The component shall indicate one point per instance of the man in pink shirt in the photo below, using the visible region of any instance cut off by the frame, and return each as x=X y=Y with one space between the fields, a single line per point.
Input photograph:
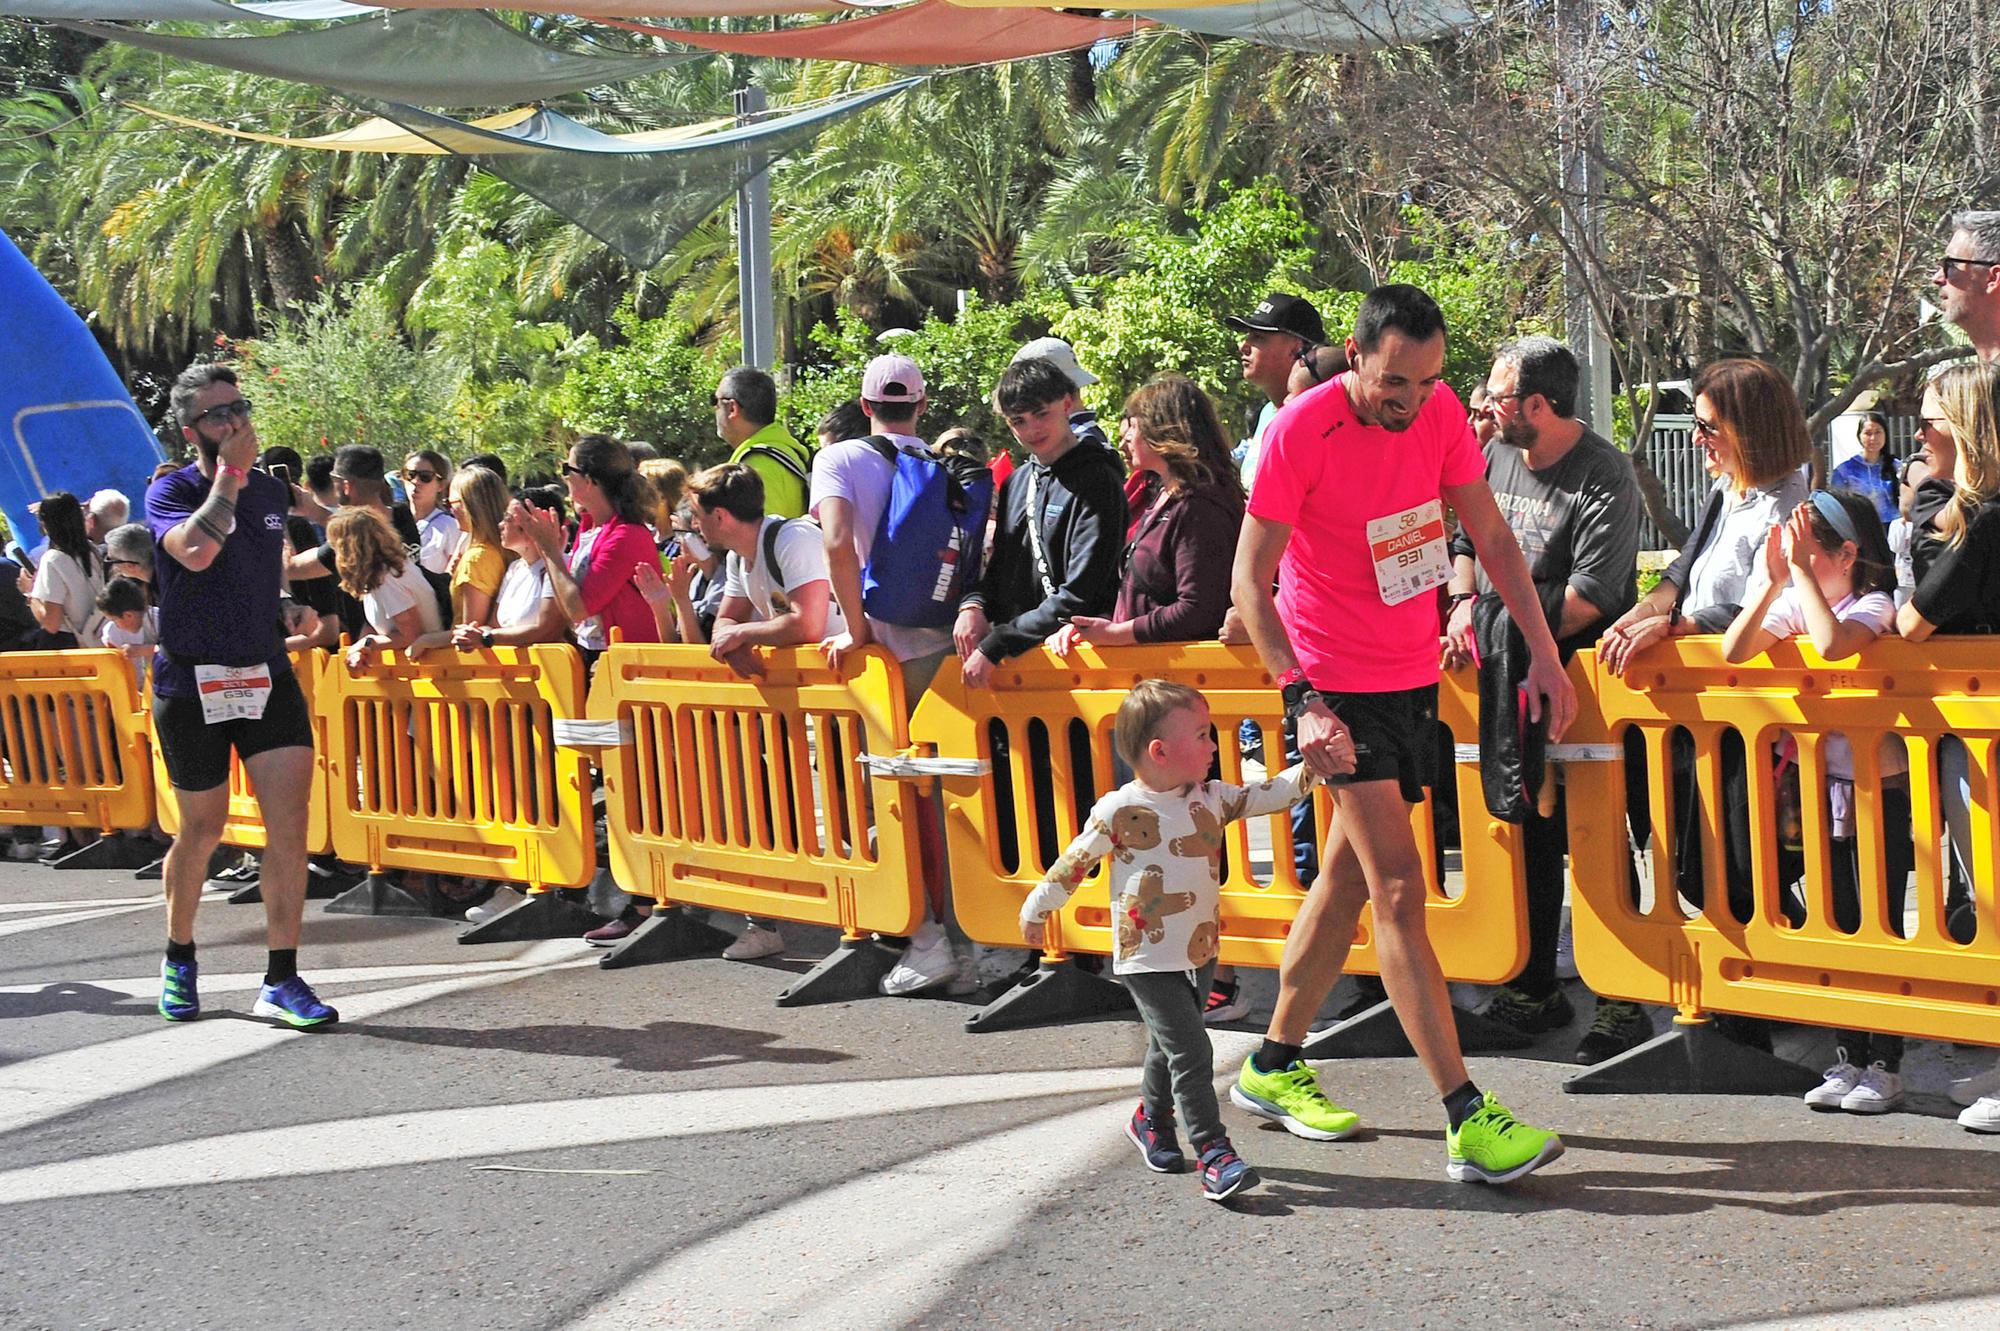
x=1347 y=517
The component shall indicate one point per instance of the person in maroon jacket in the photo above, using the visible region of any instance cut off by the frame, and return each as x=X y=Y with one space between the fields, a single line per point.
x=1175 y=586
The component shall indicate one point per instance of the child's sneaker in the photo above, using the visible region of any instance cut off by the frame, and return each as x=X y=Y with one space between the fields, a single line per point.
x=1156 y=1141
x=1841 y=1078
x=1492 y=1146
x=1223 y=1172
x=1876 y=1092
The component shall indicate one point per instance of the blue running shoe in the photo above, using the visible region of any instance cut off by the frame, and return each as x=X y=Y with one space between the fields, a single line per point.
x=293 y=1003
x=179 y=1000
x=1223 y=1172
x=1156 y=1141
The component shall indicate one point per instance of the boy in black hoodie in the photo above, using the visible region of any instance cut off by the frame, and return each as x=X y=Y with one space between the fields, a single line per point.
x=1041 y=577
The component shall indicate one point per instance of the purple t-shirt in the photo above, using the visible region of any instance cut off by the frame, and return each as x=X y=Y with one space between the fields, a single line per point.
x=226 y=614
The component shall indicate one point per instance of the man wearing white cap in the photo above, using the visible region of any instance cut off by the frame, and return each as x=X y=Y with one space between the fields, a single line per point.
x=851 y=481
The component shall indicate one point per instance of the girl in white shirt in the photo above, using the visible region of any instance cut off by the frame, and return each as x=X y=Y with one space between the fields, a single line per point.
x=375 y=570
x=64 y=595
x=1828 y=574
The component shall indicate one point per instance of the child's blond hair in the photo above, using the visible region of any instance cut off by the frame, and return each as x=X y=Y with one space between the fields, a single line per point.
x=1145 y=710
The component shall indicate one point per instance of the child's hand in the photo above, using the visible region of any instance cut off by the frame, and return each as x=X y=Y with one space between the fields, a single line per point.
x=1034 y=933
x=1799 y=542
x=1775 y=571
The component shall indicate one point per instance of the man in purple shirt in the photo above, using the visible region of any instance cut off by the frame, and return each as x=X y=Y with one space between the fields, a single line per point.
x=222 y=681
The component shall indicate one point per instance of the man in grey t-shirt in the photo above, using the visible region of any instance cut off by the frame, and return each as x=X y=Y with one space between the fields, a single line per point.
x=1573 y=504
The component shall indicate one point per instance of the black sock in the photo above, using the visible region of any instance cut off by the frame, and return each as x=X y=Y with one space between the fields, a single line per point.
x=284 y=964
x=1271 y=1056
x=1458 y=1106
x=180 y=953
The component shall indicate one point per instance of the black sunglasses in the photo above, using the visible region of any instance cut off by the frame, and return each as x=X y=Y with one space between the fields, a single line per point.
x=1952 y=261
x=568 y=470
x=239 y=410
x=420 y=476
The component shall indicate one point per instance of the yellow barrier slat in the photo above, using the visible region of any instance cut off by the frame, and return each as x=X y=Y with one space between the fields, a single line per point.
x=75 y=741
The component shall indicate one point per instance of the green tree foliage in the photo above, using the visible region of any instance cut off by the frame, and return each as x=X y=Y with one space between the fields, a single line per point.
x=658 y=384
x=344 y=374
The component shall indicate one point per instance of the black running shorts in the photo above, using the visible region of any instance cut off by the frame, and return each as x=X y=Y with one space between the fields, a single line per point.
x=197 y=753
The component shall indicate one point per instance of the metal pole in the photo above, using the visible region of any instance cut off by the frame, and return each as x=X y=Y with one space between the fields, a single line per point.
x=1583 y=223
x=756 y=301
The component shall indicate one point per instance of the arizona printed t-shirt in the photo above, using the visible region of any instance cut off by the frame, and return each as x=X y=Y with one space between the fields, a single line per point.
x=1329 y=477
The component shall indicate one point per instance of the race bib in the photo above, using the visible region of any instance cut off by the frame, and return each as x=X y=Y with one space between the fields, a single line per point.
x=233 y=693
x=1408 y=550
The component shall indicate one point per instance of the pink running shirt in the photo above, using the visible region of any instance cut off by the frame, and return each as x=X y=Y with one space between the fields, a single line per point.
x=1327 y=476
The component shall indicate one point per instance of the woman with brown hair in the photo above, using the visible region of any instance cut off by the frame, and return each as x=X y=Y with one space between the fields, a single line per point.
x=1179 y=555
x=1753 y=434
x=375 y=569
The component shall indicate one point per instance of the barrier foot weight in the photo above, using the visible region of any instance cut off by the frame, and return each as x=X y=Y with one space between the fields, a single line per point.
x=377 y=895
x=668 y=934
x=556 y=913
x=1378 y=1033
x=1693 y=1060
x=1053 y=993
x=116 y=851
x=852 y=970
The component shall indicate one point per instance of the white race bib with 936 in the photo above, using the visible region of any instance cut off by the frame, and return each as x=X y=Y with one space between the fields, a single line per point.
x=233 y=693
x=1408 y=551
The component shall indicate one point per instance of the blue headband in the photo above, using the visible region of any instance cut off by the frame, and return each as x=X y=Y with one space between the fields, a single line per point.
x=1836 y=515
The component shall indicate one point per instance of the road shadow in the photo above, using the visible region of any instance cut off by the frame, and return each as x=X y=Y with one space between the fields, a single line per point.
x=66 y=996
x=1778 y=1178
x=660 y=1046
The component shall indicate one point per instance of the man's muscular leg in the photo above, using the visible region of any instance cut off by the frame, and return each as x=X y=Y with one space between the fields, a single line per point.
x=185 y=872
x=282 y=779
x=1316 y=949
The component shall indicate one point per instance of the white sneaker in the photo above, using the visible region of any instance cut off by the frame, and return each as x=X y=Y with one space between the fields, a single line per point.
x=926 y=963
x=503 y=900
x=1841 y=1079
x=1967 y=1090
x=1877 y=1092
x=1566 y=952
x=754 y=944
x=1982 y=1115
x=25 y=850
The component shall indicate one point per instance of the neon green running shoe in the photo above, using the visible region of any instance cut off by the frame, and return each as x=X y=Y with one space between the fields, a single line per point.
x=1492 y=1146
x=1291 y=1098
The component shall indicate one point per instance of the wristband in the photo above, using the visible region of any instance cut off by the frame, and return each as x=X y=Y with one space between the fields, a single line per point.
x=1296 y=675
x=486 y=639
x=225 y=469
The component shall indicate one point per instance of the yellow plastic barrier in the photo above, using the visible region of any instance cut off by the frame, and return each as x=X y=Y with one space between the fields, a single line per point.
x=74 y=741
x=1701 y=962
x=751 y=795
x=1038 y=699
x=449 y=764
x=244 y=825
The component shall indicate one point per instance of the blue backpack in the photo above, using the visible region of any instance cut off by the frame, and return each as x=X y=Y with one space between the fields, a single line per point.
x=931 y=540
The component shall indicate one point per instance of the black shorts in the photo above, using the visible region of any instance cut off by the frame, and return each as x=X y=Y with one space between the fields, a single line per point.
x=197 y=753
x=1395 y=737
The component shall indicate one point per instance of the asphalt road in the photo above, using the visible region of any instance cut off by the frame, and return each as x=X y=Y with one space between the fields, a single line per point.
x=506 y=1136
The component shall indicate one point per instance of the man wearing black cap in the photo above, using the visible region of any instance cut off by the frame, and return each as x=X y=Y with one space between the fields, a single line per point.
x=1275 y=334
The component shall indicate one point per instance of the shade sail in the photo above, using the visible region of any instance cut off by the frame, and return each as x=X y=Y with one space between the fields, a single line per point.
x=1320 y=25
x=376 y=135
x=442 y=58
x=638 y=199
x=930 y=32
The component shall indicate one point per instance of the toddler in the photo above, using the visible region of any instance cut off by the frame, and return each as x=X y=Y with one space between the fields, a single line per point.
x=1163 y=832
x=130 y=623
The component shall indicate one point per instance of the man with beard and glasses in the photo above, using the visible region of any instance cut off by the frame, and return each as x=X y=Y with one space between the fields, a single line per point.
x=1347 y=519
x=222 y=682
x=1572 y=503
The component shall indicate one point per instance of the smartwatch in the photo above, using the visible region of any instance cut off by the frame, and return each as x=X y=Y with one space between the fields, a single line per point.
x=486 y=638
x=1300 y=695
x=1456 y=597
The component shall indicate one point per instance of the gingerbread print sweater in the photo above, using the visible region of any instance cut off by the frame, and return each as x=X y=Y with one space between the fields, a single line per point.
x=1166 y=862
